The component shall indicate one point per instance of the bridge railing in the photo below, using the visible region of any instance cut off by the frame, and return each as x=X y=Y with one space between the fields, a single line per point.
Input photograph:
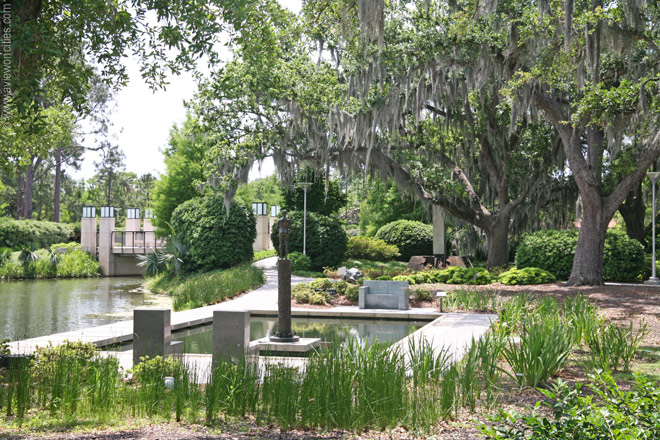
x=136 y=242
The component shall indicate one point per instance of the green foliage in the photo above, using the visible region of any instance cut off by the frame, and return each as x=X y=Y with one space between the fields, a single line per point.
x=613 y=346
x=527 y=275
x=312 y=293
x=473 y=300
x=66 y=246
x=410 y=237
x=318 y=199
x=212 y=287
x=261 y=190
x=385 y=203
x=262 y=255
x=584 y=318
x=18 y=234
x=451 y=275
x=543 y=350
x=352 y=292
x=623 y=257
x=321 y=283
x=73 y=264
x=326 y=240
x=300 y=262
x=423 y=295
x=572 y=413
x=214 y=240
x=183 y=167
x=370 y=248
x=77 y=264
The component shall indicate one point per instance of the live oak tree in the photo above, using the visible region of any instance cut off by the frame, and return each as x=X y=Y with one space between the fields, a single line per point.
x=593 y=68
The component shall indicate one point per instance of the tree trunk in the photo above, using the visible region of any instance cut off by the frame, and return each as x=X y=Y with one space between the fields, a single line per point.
x=56 y=192
x=633 y=211
x=588 y=261
x=28 y=192
x=498 y=241
x=19 y=196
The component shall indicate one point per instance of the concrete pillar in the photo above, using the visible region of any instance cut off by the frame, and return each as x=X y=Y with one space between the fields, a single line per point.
x=88 y=234
x=438 y=230
x=106 y=257
x=152 y=333
x=262 y=240
x=148 y=226
x=231 y=335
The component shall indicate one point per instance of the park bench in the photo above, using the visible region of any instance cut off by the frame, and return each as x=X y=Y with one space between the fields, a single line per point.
x=376 y=294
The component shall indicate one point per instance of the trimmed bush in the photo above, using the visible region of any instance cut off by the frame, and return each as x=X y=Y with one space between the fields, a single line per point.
x=623 y=258
x=370 y=248
x=300 y=262
x=214 y=240
x=18 y=234
x=527 y=275
x=326 y=240
x=451 y=275
x=410 y=237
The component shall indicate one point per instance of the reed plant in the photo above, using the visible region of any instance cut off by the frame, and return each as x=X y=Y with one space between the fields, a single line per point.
x=544 y=347
x=18 y=397
x=613 y=346
x=212 y=287
x=584 y=317
x=474 y=300
x=511 y=313
x=426 y=364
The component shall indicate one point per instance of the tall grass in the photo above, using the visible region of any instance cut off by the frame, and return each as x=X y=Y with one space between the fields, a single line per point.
x=613 y=346
x=584 y=318
x=212 y=287
x=474 y=300
x=543 y=349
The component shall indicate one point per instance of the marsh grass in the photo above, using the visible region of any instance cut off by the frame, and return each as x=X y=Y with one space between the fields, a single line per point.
x=474 y=300
x=584 y=318
x=544 y=347
x=613 y=346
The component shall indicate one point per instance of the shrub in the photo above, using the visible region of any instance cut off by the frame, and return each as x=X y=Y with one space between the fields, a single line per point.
x=410 y=237
x=341 y=287
x=370 y=248
x=321 y=283
x=318 y=298
x=18 y=234
x=214 y=239
x=66 y=246
x=77 y=264
x=423 y=295
x=300 y=262
x=326 y=240
x=527 y=275
x=352 y=292
x=573 y=414
x=623 y=258
x=301 y=292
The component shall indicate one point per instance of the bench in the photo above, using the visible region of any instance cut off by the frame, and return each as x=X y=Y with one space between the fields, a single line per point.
x=375 y=294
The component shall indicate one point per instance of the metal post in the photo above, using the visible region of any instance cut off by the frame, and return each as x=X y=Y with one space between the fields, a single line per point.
x=305 y=222
x=654 y=279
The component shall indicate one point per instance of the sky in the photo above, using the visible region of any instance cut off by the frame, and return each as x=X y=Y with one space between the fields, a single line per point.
x=142 y=120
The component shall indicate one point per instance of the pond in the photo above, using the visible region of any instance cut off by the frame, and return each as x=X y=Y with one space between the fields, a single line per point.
x=34 y=308
x=200 y=339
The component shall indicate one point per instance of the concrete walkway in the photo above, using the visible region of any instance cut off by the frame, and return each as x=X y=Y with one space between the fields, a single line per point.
x=453 y=329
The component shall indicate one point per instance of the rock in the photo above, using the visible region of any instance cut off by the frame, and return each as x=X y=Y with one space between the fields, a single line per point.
x=341 y=272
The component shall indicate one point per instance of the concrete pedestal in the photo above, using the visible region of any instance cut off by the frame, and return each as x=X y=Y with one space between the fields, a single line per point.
x=152 y=333
x=88 y=234
x=231 y=335
x=284 y=333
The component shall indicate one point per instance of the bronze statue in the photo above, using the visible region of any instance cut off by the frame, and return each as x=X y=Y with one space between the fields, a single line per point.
x=283 y=229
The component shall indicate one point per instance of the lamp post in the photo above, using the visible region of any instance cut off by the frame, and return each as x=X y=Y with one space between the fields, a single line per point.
x=304 y=186
x=653 y=175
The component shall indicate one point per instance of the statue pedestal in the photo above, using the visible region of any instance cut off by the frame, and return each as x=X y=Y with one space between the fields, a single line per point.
x=284 y=333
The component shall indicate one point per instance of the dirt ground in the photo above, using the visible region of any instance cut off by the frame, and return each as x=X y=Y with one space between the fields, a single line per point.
x=618 y=303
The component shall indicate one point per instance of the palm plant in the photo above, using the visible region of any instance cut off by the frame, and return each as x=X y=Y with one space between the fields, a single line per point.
x=172 y=256
x=28 y=256
x=151 y=263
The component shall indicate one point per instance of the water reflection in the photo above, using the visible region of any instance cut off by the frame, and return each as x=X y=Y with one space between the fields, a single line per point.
x=41 y=307
x=200 y=339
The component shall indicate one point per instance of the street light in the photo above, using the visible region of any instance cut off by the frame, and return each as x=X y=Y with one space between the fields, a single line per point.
x=304 y=186
x=654 y=176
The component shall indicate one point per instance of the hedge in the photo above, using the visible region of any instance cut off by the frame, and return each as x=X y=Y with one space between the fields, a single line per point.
x=326 y=239
x=19 y=234
x=410 y=237
x=551 y=250
x=370 y=248
x=214 y=240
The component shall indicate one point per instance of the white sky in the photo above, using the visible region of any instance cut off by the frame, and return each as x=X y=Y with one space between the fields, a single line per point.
x=142 y=120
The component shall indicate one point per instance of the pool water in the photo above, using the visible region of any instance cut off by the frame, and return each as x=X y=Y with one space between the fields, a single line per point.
x=200 y=339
